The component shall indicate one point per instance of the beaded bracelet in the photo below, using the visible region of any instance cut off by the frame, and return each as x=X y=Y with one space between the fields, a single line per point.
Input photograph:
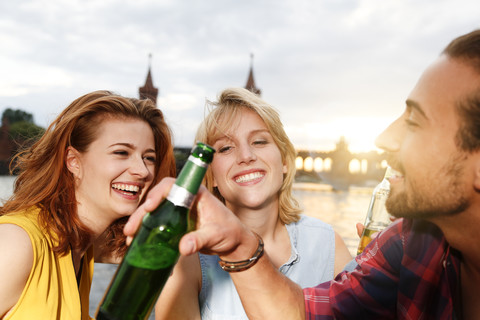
x=244 y=264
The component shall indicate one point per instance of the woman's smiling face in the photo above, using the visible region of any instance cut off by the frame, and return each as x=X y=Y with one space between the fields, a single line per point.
x=116 y=170
x=248 y=167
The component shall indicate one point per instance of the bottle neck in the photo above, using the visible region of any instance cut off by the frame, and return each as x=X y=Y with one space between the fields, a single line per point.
x=188 y=181
x=180 y=196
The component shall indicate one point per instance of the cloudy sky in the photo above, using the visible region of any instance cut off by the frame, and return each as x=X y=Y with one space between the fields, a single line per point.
x=331 y=67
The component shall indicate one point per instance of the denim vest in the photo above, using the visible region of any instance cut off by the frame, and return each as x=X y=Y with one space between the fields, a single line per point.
x=311 y=262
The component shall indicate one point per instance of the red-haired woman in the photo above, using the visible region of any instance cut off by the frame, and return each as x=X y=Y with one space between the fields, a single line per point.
x=76 y=187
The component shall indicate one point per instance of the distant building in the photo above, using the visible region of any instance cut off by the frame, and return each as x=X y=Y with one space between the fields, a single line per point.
x=8 y=147
x=148 y=91
x=251 y=81
x=5 y=147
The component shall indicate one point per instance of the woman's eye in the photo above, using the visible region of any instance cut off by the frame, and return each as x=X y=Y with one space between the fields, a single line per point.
x=151 y=159
x=224 y=149
x=260 y=142
x=121 y=152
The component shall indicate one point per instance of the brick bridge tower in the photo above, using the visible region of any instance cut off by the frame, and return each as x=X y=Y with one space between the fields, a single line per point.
x=148 y=91
x=251 y=81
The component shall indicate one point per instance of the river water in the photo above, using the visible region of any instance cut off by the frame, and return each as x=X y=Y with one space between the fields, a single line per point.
x=341 y=209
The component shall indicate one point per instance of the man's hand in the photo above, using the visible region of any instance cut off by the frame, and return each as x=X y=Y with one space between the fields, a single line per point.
x=154 y=197
x=218 y=230
x=262 y=288
x=360 y=228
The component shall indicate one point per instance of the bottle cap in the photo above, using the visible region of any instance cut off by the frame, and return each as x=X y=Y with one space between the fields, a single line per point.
x=203 y=151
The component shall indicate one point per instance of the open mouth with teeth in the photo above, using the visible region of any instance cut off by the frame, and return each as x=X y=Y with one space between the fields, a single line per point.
x=127 y=188
x=249 y=177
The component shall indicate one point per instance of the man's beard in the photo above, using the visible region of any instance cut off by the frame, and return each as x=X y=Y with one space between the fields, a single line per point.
x=442 y=199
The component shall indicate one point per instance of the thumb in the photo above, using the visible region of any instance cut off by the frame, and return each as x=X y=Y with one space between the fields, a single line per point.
x=360 y=227
x=197 y=240
x=188 y=244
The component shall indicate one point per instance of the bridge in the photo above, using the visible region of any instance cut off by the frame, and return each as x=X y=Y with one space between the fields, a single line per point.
x=340 y=168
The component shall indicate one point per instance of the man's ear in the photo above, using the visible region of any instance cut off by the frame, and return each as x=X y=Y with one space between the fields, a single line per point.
x=72 y=161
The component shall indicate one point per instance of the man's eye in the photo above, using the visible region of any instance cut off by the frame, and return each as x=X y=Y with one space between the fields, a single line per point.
x=411 y=123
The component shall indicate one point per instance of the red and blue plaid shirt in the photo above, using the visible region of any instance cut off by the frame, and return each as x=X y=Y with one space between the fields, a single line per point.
x=408 y=272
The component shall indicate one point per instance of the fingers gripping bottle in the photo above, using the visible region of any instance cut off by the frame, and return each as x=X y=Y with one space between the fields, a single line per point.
x=377 y=216
x=153 y=252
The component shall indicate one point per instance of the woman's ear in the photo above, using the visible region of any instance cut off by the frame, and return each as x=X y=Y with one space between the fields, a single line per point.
x=72 y=161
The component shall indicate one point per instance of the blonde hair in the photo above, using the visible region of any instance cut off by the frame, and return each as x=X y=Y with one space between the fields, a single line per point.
x=221 y=116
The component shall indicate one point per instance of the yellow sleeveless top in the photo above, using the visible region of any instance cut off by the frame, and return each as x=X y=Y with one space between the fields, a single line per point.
x=51 y=291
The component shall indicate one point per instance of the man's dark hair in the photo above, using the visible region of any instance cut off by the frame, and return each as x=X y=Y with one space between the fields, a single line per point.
x=466 y=49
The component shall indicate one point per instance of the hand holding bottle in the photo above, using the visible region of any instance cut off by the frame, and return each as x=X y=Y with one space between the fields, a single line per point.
x=360 y=227
x=218 y=230
x=154 y=250
x=377 y=216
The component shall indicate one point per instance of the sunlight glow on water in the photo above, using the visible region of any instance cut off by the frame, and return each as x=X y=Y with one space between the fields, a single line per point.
x=340 y=209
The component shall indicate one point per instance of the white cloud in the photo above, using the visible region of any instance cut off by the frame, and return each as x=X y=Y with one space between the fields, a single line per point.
x=315 y=61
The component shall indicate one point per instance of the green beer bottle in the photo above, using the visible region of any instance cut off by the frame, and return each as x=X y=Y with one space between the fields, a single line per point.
x=153 y=252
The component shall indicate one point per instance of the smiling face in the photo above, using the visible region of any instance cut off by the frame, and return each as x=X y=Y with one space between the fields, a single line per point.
x=248 y=168
x=112 y=175
x=435 y=176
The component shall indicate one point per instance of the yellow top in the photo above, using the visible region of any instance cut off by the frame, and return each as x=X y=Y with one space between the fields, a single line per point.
x=51 y=291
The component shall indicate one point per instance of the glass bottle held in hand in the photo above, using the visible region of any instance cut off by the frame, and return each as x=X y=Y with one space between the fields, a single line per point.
x=377 y=216
x=153 y=252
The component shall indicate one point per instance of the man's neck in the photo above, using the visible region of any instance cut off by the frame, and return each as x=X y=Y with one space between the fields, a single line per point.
x=470 y=282
x=461 y=232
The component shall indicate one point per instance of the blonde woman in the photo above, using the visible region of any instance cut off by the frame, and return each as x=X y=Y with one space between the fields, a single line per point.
x=252 y=173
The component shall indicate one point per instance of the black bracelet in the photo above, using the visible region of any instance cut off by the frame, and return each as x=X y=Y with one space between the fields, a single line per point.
x=244 y=264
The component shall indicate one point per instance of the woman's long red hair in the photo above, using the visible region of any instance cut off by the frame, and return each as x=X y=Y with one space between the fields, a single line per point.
x=44 y=180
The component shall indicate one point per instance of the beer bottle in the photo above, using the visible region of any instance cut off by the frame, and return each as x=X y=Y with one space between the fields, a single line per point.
x=153 y=252
x=377 y=216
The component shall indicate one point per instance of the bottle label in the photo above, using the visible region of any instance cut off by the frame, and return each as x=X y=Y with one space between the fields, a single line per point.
x=181 y=197
x=197 y=161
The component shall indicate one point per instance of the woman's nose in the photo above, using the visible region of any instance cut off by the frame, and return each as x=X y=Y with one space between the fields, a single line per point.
x=245 y=154
x=138 y=167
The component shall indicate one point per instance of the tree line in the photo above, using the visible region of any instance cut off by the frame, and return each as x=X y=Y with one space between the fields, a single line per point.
x=17 y=131
x=21 y=125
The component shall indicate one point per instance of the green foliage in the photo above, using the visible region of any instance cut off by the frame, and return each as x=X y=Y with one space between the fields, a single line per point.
x=17 y=116
x=181 y=156
x=21 y=126
x=24 y=130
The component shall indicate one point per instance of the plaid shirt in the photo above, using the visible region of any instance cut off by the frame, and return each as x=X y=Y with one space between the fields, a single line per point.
x=408 y=272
